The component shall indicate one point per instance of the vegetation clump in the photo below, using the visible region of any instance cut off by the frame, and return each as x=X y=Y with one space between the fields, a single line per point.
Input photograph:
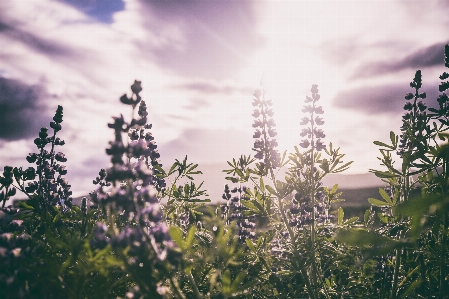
x=274 y=237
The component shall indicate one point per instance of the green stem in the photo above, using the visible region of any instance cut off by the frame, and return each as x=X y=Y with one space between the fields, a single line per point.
x=443 y=282
x=394 y=289
x=194 y=286
x=176 y=288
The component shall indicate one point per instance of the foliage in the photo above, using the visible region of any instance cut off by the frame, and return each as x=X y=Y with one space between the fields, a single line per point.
x=149 y=233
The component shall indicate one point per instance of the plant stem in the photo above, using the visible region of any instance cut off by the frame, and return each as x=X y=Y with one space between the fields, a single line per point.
x=443 y=282
x=394 y=289
x=194 y=286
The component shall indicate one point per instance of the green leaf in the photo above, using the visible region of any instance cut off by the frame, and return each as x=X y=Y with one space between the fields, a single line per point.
x=378 y=244
x=384 y=174
x=232 y=179
x=235 y=286
x=366 y=216
x=378 y=143
x=259 y=206
x=250 y=244
x=334 y=189
x=239 y=172
x=271 y=190
x=26 y=206
x=378 y=203
x=342 y=168
x=176 y=235
x=249 y=204
x=226 y=281
x=385 y=195
x=190 y=236
x=351 y=220
x=261 y=185
x=340 y=215
x=393 y=138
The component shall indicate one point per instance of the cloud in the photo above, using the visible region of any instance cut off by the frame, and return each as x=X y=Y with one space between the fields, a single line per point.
x=216 y=37
x=196 y=103
x=381 y=99
x=207 y=146
x=209 y=88
x=424 y=57
x=34 y=42
x=22 y=112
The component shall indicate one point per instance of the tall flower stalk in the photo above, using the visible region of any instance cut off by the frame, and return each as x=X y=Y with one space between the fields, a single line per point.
x=150 y=251
x=265 y=144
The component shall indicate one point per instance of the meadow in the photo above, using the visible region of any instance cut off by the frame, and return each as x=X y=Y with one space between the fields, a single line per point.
x=275 y=237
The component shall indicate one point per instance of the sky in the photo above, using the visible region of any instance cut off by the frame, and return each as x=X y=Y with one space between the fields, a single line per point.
x=200 y=62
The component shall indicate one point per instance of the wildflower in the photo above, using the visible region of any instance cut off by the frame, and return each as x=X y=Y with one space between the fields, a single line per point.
x=264 y=145
x=313 y=134
x=134 y=195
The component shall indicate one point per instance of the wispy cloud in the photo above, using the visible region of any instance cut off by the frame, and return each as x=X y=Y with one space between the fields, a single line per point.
x=207 y=146
x=218 y=36
x=381 y=99
x=425 y=57
x=207 y=87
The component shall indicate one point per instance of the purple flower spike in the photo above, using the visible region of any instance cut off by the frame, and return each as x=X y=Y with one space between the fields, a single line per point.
x=264 y=124
x=311 y=132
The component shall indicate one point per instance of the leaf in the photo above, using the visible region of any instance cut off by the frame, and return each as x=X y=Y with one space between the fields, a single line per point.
x=334 y=189
x=443 y=86
x=226 y=281
x=342 y=168
x=176 y=235
x=384 y=174
x=190 y=236
x=250 y=244
x=26 y=206
x=340 y=215
x=250 y=205
x=444 y=76
x=271 y=190
x=261 y=185
x=351 y=220
x=394 y=139
x=259 y=206
x=377 y=244
x=378 y=203
x=366 y=216
x=237 y=281
x=378 y=143
x=239 y=172
x=385 y=195
x=232 y=179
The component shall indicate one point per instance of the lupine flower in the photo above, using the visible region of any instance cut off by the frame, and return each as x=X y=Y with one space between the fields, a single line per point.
x=415 y=118
x=264 y=145
x=133 y=193
x=233 y=211
x=52 y=189
x=313 y=134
